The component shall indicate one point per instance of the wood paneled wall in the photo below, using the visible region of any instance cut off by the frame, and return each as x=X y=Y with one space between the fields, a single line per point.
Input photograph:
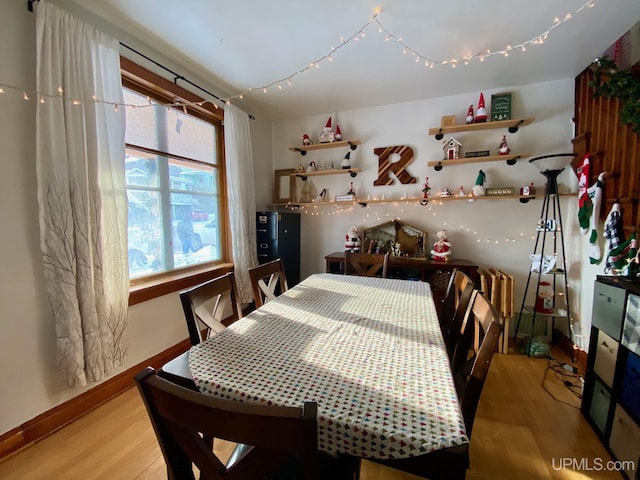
x=614 y=148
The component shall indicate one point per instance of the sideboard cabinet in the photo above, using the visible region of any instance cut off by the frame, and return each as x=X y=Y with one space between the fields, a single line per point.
x=413 y=268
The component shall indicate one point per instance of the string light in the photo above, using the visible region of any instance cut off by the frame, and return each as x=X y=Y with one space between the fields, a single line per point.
x=42 y=97
x=430 y=62
x=413 y=206
x=427 y=61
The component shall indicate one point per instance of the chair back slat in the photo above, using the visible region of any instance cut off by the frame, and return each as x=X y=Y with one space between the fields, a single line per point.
x=275 y=284
x=366 y=264
x=208 y=304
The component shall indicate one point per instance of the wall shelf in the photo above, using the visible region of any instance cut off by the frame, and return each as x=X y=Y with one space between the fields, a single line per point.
x=303 y=149
x=353 y=172
x=512 y=125
x=511 y=159
x=364 y=201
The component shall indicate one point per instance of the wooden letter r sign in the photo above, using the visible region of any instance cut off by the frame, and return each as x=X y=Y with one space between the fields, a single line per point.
x=386 y=166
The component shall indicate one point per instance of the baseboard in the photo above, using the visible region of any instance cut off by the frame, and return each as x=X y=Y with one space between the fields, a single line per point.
x=48 y=422
x=565 y=344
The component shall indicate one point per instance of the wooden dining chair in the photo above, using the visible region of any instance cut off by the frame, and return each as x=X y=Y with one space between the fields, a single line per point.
x=273 y=442
x=206 y=307
x=268 y=281
x=457 y=284
x=452 y=328
x=366 y=264
x=452 y=463
x=473 y=354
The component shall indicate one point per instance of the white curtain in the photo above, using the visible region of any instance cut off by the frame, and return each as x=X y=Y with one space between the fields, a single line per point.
x=81 y=192
x=242 y=197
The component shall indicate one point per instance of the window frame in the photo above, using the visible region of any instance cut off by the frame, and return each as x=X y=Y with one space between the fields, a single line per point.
x=146 y=82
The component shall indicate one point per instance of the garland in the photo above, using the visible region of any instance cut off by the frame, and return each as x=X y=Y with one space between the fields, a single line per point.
x=609 y=82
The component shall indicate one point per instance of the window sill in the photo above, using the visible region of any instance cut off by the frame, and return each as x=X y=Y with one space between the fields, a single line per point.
x=157 y=287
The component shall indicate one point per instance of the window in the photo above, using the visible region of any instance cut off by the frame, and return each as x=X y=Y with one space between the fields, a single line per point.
x=175 y=181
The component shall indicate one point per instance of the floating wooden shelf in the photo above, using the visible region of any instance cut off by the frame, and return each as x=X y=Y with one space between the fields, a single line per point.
x=512 y=125
x=469 y=198
x=510 y=159
x=351 y=171
x=303 y=149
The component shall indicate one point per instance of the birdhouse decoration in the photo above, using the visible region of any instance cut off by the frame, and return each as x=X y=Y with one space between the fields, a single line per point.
x=451 y=149
x=327 y=135
x=352 y=240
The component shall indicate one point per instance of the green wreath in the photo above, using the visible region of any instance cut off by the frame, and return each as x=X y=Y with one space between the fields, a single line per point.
x=609 y=82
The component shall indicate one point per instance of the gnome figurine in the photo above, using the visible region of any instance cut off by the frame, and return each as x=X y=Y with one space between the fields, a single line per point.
x=469 y=118
x=338 y=135
x=346 y=161
x=478 y=188
x=327 y=135
x=481 y=115
x=504 y=149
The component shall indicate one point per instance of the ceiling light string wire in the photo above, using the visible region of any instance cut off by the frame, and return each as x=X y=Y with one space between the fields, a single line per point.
x=428 y=61
x=315 y=63
x=176 y=77
x=480 y=56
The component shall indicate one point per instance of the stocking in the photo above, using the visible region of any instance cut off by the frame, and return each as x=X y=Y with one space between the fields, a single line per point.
x=615 y=234
x=585 y=207
x=595 y=195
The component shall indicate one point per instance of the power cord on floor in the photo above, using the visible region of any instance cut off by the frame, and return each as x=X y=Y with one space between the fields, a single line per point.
x=568 y=375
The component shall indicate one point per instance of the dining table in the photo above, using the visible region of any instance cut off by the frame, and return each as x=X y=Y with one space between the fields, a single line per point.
x=368 y=350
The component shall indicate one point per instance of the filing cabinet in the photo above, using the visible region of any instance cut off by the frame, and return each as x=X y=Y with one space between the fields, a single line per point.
x=611 y=397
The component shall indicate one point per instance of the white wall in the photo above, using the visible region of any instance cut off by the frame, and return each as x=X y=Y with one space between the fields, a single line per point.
x=478 y=230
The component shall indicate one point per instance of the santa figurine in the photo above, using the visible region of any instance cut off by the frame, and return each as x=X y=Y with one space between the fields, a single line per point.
x=327 y=135
x=469 y=118
x=504 y=149
x=481 y=115
x=352 y=240
x=338 y=135
x=306 y=140
x=442 y=248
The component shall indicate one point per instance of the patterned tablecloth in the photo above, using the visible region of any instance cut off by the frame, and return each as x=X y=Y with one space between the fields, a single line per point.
x=368 y=350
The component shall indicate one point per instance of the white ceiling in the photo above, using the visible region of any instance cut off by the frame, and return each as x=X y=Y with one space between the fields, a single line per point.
x=245 y=44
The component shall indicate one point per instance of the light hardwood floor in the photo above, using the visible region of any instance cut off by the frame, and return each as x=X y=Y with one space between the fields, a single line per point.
x=520 y=431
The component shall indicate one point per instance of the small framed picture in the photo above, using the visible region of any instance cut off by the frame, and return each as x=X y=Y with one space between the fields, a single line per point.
x=501 y=106
x=284 y=186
